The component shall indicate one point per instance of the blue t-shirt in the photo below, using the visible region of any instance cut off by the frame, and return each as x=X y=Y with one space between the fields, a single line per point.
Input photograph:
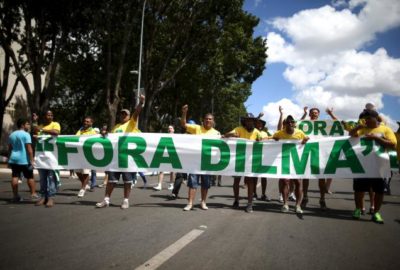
x=17 y=140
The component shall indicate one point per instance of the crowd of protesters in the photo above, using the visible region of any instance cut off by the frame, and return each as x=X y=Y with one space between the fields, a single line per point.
x=370 y=125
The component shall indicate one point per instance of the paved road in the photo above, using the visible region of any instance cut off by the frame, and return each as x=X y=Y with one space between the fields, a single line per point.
x=155 y=231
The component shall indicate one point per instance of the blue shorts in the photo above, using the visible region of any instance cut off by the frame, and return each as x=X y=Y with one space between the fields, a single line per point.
x=127 y=177
x=194 y=181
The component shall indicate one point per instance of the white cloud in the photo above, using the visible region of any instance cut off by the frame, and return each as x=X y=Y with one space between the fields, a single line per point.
x=326 y=64
x=271 y=112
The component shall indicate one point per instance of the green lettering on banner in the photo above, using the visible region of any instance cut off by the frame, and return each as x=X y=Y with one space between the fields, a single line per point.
x=206 y=151
x=257 y=166
x=88 y=151
x=350 y=162
x=124 y=152
x=45 y=144
x=306 y=126
x=369 y=145
x=337 y=128
x=172 y=158
x=289 y=152
x=240 y=159
x=393 y=159
x=319 y=128
x=63 y=150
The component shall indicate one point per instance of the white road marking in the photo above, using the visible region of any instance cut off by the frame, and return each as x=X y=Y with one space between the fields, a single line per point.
x=170 y=251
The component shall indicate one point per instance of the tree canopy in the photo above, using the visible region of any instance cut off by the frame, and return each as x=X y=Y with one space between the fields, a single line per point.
x=81 y=54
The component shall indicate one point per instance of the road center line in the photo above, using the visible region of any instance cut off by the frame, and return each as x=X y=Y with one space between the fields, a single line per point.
x=170 y=251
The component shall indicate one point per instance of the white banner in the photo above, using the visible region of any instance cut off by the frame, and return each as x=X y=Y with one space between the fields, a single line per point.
x=330 y=157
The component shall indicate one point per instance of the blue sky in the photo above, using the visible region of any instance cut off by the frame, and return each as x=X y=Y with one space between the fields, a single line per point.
x=338 y=54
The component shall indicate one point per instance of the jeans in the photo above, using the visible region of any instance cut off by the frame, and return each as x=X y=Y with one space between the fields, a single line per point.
x=178 y=182
x=93 y=178
x=143 y=177
x=194 y=181
x=48 y=183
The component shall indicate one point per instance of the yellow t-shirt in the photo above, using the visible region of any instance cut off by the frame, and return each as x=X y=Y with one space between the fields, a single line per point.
x=241 y=132
x=51 y=126
x=128 y=127
x=89 y=131
x=200 y=130
x=282 y=135
x=386 y=132
x=264 y=134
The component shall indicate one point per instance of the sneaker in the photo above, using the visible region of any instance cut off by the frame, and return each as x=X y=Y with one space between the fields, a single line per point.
x=102 y=185
x=188 y=207
x=280 y=198
x=16 y=199
x=87 y=187
x=363 y=211
x=292 y=197
x=371 y=210
x=249 y=208
x=299 y=210
x=304 y=202
x=235 y=204
x=377 y=218
x=357 y=213
x=173 y=196
x=125 y=204
x=285 y=208
x=265 y=198
x=35 y=197
x=203 y=206
x=255 y=197
x=170 y=186
x=322 y=204
x=19 y=181
x=81 y=193
x=102 y=204
x=158 y=187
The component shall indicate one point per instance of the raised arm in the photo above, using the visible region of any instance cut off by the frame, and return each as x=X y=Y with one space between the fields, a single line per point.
x=138 y=108
x=305 y=113
x=280 y=122
x=185 y=109
x=329 y=111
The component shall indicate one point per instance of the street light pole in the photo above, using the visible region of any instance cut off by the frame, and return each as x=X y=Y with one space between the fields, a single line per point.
x=140 y=55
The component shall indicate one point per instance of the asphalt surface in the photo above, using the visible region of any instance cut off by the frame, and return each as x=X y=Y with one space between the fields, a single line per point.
x=73 y=234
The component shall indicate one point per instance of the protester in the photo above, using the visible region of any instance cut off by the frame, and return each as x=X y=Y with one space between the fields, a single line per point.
x=83 y=174
x=384 y=136
x=49 y=179
x=171 y=130
x=194 y=179
x=289 y=132
x=292 y=197
x=248 y=131
x=314 y=116
x=21 y=159
x=260 y=125
x=127 y=124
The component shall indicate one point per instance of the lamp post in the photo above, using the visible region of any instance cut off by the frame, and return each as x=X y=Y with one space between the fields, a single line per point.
x=140 y=54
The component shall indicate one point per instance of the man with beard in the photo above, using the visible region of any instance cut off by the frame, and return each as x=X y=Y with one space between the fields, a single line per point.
x=194 y=179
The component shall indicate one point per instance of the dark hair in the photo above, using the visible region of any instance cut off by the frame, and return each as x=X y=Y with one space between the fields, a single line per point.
x=312 y=109
x=368 y=113
x=21 y=122
x=208 y=114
